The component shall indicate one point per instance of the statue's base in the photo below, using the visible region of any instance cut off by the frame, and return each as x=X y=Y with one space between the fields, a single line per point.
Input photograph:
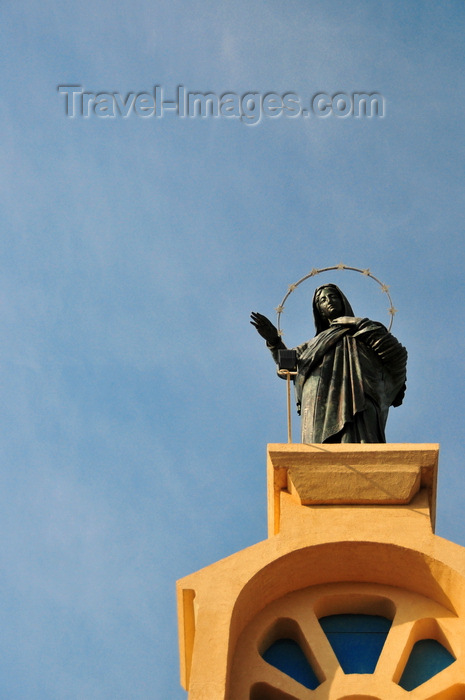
x=350 y=474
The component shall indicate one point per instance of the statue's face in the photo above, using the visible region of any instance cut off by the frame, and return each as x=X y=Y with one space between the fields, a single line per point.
x=330 y=303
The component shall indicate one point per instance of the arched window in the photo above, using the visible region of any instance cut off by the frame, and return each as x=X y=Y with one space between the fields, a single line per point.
x=347 y=641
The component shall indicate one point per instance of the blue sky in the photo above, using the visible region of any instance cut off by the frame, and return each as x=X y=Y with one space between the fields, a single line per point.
x=137 y=399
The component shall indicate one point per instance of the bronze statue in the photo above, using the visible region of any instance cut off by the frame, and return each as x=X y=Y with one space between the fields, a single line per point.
x=348 y=375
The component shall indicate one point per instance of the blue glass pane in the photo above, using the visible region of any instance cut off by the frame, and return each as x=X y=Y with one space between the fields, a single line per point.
x=427 y=658
x=288 y=657
x=357 y=640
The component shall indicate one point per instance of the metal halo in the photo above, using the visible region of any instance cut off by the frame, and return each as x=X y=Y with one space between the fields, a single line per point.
x=384 y=288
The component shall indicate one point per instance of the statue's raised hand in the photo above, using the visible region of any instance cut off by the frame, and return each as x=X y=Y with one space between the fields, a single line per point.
x=264 y=326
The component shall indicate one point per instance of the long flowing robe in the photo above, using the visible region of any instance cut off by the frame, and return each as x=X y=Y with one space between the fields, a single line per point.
x=348 y=377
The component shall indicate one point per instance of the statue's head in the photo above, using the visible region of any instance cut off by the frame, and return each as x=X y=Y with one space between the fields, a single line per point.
x=329 y=303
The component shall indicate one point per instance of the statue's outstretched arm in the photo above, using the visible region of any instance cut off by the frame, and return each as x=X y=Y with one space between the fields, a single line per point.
x=265 y=328
x=270 y=333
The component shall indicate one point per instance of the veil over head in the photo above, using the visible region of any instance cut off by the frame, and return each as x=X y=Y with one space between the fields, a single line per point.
x=322 y=323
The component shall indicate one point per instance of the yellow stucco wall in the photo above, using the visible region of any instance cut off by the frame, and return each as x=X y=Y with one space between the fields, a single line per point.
x=353 y=516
